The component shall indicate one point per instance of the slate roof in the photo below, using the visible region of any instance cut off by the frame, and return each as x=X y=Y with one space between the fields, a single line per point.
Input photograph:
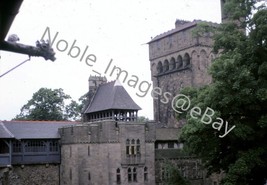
x=111 y=95
x=4 y=132
x=32 y=129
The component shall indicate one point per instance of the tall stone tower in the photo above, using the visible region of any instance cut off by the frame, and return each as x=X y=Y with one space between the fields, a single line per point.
x=178 y=59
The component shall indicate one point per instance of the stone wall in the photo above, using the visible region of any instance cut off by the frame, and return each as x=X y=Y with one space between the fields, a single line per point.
x=91 y=153
x=171 y=72
x=30 y=175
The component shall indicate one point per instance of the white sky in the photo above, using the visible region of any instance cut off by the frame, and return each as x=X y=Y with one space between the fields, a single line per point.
x=115 y=30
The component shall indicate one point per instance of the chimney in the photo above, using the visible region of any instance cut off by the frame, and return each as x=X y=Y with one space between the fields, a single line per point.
x=95 y=81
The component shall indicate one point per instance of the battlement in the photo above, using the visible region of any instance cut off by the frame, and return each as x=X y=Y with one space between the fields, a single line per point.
x=106 y=131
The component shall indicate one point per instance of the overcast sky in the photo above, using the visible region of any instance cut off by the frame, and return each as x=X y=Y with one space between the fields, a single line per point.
x=117 y=30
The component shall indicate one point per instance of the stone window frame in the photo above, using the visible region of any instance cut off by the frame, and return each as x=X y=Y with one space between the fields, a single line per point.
x=89 y=176
x=133 y=147
x=166 y=65
x=172 y=65
x=118 y=176
x=145 y=174
x=138 y=147
x=186 y=60
x=179 y=62
x=160 y=67
x=134 y=174
x=129 y=173
x=70 y=174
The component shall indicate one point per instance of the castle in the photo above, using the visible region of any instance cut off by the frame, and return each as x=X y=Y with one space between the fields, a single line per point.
x=110 y=146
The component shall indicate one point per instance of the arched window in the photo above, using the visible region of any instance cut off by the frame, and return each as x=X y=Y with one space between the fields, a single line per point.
x=179 y=62
x=118 y=176
x=145 y=174
x=128 y=146
x=186 y=60
x=160 y=67
x=172 y=64
x=166 y=66
x=133 y=147
x=134 y=175
x=129 y=175
x=138 y=152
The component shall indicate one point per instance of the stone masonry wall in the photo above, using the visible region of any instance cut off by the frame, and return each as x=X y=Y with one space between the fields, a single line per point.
x=91 y=153
x=175 y=74
x=30 y=175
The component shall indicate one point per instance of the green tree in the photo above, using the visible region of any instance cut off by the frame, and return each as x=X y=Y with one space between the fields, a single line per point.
x=47 y=104
x=238 y=95
x=174 y=176
x=142 y=119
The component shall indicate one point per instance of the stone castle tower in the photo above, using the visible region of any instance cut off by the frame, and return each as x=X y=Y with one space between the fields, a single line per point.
x=110 y=147
x=178 y=59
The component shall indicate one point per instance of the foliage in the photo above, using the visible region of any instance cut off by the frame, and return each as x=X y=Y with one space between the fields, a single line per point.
x=173 y=174
x=47 y=104
x=238 y=95
x=142 y=119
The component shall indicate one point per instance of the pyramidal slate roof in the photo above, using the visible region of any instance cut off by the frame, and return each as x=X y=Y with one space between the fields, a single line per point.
x=111 y=95
x=32 y=129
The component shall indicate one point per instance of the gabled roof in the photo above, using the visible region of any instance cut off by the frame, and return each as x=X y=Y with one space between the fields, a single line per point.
x=111 y=95
x=33 y=129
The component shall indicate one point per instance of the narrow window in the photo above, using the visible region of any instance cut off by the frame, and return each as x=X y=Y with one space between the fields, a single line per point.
x=134 y=175
x=138 y=152
x=70 y=174
x=89 y=176
x=133 y=152
x=129 y=175
x=128 y=147
x=118 y=176
x=88 y=150
x=145 y=174
x=70 y=151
